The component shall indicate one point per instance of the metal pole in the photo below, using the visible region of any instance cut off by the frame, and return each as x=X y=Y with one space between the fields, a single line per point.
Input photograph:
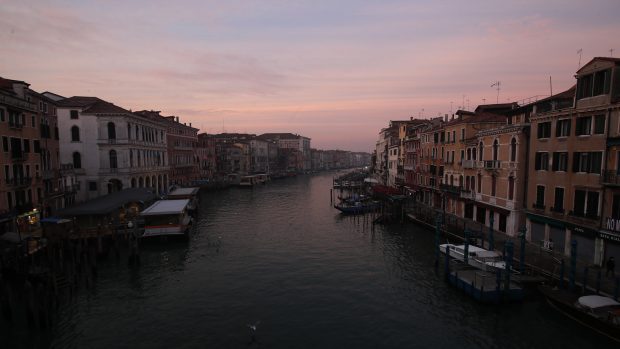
x=466 y=257
x=509 y=251
x=491 y=241
x=522 y=255
x=447 y=262
x=585 y=279
x=573 y=264
x=437 y=237
x=562 y=274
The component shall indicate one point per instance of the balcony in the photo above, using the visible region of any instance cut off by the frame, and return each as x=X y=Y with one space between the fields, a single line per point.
x=610 y=178
x=468 y=194
x=15 y=125
x=17 y=102
x=450 y=188
x=19 y=182
x=469 y=164
x=586 y=215
x=492 y=164
x=19 y=156
x=538 y=206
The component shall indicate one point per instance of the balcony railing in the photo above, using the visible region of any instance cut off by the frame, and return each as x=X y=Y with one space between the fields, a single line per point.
x=468 y=194
x=16 y=102
x=469 y=164
x=15 y=125
x=17 y=156
x=450 y=188
x=19 y=181
x=491 y=164
x=610 y=177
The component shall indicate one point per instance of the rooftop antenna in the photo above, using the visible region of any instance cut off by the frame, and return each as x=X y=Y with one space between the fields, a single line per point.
x=497 y=85
x=579 y=53
x=550 y=86
x=484 y=101
x=468 y=104
x=451 y=107
x=611 y=52
x=463 y=105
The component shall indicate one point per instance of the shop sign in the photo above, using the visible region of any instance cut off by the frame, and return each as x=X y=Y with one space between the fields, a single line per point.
x=609 y=236
x=612 y=224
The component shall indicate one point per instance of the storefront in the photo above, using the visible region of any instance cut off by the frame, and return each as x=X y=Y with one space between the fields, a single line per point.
x=562 y=233
x=611 y=239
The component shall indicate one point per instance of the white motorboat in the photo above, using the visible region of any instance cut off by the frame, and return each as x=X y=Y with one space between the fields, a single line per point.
x=477 y=257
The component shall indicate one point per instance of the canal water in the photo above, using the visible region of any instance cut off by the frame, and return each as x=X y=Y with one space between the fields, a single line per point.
x=281 y=257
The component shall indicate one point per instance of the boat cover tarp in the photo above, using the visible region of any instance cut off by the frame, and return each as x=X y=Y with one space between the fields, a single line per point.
x=595 y=301
x=163 y=207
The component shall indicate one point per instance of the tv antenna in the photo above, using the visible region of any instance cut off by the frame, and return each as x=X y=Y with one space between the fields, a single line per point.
x=579 y=53
x=497 y=87
x=611 y=52
x=484 y=101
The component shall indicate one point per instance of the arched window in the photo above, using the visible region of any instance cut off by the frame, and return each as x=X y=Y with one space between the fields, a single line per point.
x=75 y=134
x=495 y=149
x=493 y=185
x=113 y=160
x=130 y=157
x=473 y=184
x=468 y=153
x=473 y=153
x=461 y=182
x=77 y=160
x=451 y=180
x=481 y=150
x=128 y=131
x=111 y=130
x=513 y=150
x=479 y=182
x=511 y=188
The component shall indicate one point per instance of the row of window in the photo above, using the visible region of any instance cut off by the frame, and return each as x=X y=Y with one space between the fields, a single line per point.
x=21 y=197
x=16 y=119
x=585 y=202
x=471 y=152
x=585 y=162
x=18 y=146
x=443 y=137
x=583 y=127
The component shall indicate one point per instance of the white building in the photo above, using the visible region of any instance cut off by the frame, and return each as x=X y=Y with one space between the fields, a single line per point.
x=110 y=147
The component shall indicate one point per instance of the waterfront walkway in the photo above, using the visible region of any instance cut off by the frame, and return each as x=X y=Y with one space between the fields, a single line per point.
x=538 y=261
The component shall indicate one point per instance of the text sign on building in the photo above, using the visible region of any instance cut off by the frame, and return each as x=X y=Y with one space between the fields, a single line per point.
x=613 y=224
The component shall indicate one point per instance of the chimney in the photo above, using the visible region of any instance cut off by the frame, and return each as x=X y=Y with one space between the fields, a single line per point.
x=177 y=118
x=190 y=124
x=446 y=118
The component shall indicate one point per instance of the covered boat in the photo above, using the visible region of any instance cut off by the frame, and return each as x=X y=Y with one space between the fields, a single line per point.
x=167 y=217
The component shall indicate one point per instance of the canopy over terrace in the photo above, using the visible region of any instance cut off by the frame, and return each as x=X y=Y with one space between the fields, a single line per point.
x=112 y=209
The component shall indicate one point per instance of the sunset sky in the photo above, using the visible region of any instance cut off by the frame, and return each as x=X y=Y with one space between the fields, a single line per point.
x=334 y=71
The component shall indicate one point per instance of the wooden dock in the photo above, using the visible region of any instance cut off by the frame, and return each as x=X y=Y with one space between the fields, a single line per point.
x=484 y=286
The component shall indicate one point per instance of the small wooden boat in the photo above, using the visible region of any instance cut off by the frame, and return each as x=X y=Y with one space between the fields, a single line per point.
x=599 y=313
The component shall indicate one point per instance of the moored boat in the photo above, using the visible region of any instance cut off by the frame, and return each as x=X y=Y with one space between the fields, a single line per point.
x=357 y=207
x=185 y=193
x=167 y=218
x=477 y=257
x=599 y=313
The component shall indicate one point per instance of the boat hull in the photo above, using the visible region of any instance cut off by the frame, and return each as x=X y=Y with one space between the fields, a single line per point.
x=563 y=301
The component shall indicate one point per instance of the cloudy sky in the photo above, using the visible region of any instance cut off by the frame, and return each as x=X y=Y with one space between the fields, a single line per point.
x=335 y=71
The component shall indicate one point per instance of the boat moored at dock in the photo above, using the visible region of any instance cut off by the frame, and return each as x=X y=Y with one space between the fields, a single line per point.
x=185 y=193
x=167 y=218
x=599 y=313
x=477 y=257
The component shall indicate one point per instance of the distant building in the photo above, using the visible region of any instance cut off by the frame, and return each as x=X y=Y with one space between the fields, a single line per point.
x=295 y=142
